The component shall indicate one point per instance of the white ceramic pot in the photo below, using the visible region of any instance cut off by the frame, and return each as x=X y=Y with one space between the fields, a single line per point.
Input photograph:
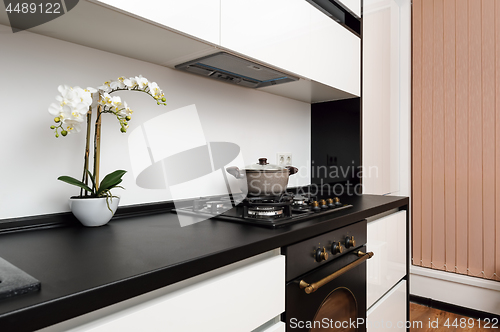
x=93 y=212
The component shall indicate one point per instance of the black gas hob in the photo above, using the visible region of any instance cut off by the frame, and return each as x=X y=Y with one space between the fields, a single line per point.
x=265 y=211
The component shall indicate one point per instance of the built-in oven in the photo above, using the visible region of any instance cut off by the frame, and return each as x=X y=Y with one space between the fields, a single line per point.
x=326 y=281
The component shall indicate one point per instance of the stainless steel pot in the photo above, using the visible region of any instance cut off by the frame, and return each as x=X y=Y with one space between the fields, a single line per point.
x=263 y=178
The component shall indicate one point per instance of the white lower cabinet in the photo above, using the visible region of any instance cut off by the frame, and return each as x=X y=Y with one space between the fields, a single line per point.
x=387 y=240
x=277 y=327
x=389 y=313
x=238 y=297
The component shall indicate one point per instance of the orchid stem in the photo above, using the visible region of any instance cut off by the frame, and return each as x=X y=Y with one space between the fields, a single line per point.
x=85 y=178
x=97 y=146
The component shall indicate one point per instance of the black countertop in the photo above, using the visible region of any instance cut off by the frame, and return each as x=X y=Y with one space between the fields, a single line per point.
x=83 y=269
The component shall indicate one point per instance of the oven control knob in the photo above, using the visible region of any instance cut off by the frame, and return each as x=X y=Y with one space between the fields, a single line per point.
x=337 y=201
x=336 y=248
x=350 y=242
x=321 y=255
x=330 y=203
x=315 y=206
x=322 y=204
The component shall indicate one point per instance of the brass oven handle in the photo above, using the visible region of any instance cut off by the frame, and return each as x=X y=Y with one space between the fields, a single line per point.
x=311 y=288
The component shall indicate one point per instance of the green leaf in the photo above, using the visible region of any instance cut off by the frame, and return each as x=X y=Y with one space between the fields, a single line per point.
x=75 y=182
x=110 y=181
x=92 y=178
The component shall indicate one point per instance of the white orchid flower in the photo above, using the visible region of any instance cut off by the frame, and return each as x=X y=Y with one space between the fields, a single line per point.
x=117 y=85
x=125 y=111
x=82 y=96
x=55 y=109
x=68 y=95
x=105 y=87
x=71 y=126
x=155 y=90
x=130 y=82
x=142 y=82
x=116 y=102
x=106 y=100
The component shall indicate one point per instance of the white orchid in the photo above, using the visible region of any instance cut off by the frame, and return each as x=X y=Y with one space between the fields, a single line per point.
x=142 y=82
x=130 y=83
x=105 y=88
x=125 y=110
x=74 y=103
x=71 y=126
x=155 y=90
x=118 y=84
x=116 y=102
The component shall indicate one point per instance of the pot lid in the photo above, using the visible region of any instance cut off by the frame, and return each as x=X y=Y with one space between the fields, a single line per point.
x=263 y=165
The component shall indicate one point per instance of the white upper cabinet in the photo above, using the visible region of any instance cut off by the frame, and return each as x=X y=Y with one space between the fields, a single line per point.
x=276 y=32
x=198 y=18
x=335 y=54
x=294 y=36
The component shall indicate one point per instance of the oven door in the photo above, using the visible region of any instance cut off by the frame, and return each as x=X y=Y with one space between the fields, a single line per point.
x=338 y=305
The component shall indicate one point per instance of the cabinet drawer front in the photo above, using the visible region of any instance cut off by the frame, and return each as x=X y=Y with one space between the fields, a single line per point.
x=387 y=240
x=240 y=299
x=389 y=314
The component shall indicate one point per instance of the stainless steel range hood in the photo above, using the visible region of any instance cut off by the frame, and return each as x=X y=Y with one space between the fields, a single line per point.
x=229 y=68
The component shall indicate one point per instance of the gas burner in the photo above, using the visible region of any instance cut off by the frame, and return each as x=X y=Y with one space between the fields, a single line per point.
x=265 y=211
x=215 y=204
x=300 y=200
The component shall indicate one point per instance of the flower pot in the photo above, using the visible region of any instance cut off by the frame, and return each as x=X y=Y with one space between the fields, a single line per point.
x=93 y=212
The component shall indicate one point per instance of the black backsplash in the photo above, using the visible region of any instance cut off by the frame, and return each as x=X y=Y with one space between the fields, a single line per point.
x=336 y=145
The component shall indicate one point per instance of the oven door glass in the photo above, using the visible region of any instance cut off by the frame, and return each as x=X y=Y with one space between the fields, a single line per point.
x=339 y=305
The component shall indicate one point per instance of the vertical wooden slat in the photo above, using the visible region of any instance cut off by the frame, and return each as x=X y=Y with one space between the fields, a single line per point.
x=438 y=219
x=497 y=137
x=462 y=132
x=427 y=102
x=475 y=176
x=488 y=94
x=449 y=133
x=417 y=133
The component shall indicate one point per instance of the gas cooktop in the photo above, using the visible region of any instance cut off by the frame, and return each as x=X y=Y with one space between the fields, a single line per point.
x=265 y=211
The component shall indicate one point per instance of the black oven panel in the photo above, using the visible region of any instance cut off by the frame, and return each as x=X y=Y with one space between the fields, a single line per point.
x=307 y=255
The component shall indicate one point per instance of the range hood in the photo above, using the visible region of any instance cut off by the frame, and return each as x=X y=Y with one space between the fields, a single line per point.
x=229 y=68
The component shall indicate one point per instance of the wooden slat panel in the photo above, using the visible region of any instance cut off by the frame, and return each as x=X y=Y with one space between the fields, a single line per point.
x=438 y=219
x=475 y=176
x=462 y=75
x=449 y=133
x=497 y=134
x=417 y=133
x=488 y=107
x=427 y=102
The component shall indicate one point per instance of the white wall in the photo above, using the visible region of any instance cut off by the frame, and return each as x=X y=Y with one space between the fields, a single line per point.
x=32 y=67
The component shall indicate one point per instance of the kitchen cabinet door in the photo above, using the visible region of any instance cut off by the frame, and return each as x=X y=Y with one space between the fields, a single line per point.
x=386 y=238
x=275 y=32
x=228 y=299
x=389 y=314
x=381 y=97
x=198 y=18
x=335 y=54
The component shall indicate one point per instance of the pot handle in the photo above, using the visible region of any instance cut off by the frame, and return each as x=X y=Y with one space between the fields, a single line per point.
x=292 y=169
x=234 y=171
